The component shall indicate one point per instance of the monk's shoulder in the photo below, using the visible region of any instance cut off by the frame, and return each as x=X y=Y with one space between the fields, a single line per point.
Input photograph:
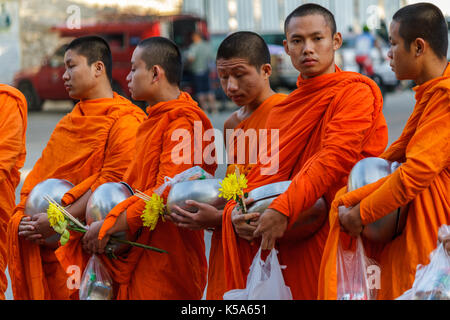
x=232 y=121
x=12 y=92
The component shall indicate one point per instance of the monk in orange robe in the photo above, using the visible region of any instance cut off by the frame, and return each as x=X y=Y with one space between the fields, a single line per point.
x=13 y=125
x=243 y=65
x=172 y=114
x=90 y=146
x=325 y=126
x=423 y=180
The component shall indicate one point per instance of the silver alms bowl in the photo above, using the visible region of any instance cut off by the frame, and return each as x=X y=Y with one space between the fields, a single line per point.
x=272 y=190
x=55 y=189
x=105 y=198
x=102 y=201
x=367 y=171
x=263 y=196
x=203 y=191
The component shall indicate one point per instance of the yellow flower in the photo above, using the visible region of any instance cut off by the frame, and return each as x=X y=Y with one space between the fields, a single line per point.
x=153 y=209
x=54 y=215
x=232 y=187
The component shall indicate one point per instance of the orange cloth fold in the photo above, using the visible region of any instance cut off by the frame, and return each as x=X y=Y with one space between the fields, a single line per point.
x=423 y=181
x=86 y=146
x=256 y=121
x=13 y=127
x=325 y=126
x=181 y=274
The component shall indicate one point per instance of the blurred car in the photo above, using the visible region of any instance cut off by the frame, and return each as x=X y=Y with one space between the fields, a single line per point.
x=45 y=82
x=383 y=74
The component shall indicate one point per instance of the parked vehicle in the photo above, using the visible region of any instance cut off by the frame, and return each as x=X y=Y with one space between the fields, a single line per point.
x=45 y=82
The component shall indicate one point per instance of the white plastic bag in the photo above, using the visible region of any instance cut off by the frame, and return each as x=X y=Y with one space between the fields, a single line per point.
x=352 y=274
x=194 y=173
x=432 y=282
x=264 y=282
x=96 y=283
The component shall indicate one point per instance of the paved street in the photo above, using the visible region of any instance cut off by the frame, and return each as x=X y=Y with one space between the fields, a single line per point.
x=397 y=108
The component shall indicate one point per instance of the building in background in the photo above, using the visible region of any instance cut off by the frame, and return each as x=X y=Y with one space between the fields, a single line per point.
x=10 y=46
x=267 y=16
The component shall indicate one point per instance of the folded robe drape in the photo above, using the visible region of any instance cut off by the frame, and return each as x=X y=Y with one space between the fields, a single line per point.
x=13 y=127
x=256 y=121
x=168 y=143
x=91 y=145
x=423 y=181
x=325 y=126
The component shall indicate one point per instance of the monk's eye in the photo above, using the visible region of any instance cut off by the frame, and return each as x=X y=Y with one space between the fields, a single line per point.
x=318 y=38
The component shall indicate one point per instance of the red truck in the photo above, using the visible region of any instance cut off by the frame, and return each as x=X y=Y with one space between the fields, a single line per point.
x=45 y=82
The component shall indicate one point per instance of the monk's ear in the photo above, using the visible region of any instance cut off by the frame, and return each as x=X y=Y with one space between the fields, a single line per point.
x=337 y=41
x=419 y=46
x=99 y=68
x=266 y=70
x=157 y=72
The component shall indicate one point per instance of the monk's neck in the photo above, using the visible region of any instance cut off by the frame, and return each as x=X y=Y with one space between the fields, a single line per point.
x=101 y=92
x=251 y=107
x=164 y=95
x=431 y=71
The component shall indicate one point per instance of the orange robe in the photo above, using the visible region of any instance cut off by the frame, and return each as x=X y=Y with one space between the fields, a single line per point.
x=423 y=181
x=13 y=127
x=256 y=121
x=180 y=274
x=325 y=126
x=90 y=146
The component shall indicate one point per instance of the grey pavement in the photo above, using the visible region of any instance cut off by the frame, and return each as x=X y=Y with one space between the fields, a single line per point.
x=397 y=109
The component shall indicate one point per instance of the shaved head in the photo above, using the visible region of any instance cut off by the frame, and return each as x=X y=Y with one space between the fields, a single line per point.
x=426 y=21
x=94 y=49
x=164 y=53
x=245 y=45
x=312 y=9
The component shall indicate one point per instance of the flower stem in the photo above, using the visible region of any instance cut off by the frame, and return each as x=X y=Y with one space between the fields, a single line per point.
x=113 y=239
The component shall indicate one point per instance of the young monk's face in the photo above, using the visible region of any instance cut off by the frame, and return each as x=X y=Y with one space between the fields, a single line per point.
x=79 y=78
x=311 y=45
x=140 y=77
x=402 y=60
x=242 y=82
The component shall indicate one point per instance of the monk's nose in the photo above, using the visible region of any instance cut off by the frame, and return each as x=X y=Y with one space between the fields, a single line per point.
x=232 y=84
x=65 y=76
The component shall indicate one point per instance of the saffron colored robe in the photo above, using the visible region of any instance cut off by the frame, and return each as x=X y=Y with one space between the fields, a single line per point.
x=256 y=121
x=325 y=126
x=13 y=127
x=422 y=181
x=90 y=146
x=181 y=273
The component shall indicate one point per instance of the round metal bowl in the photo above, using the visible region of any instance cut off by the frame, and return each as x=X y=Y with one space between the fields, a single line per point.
x=203 y=191
x=55 y=189
x=367 y=171
x=102 y=201
x=272 y=190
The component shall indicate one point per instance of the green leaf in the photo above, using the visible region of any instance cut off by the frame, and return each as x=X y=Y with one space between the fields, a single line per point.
x=65 y=237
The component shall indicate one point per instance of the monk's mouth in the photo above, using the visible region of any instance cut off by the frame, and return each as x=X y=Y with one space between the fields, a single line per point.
x=309 y=62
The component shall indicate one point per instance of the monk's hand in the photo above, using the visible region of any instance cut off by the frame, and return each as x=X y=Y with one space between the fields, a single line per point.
x=27 y=230
x=42 y=225
x=206 y=216
x=271 y=227
x=350 y=220
x=90 y=241
x=244 y=224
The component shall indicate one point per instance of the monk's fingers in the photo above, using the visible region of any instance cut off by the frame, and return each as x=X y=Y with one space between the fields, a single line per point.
x=31 y=236
x=183 y=213
x=26 y=227
x=267 y=242
x=248 y=201
x=245 y=217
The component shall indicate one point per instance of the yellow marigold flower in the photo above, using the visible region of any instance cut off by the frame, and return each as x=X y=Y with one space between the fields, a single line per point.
x=232 y=187
x=54 y=215
x=153 y=209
